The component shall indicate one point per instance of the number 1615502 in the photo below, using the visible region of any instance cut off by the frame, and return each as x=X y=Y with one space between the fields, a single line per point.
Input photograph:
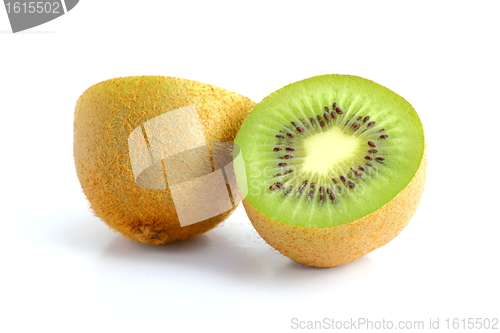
x=29 y=7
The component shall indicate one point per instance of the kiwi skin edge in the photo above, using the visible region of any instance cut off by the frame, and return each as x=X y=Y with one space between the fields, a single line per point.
x=339 y=245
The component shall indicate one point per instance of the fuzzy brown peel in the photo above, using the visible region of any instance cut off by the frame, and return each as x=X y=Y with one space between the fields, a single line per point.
x=107 y=113
x=339 y=245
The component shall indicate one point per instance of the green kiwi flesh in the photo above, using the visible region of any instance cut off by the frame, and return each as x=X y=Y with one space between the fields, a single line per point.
x=328 y=150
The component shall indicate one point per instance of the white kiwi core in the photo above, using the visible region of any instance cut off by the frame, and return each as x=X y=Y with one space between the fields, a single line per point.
x=329 y=150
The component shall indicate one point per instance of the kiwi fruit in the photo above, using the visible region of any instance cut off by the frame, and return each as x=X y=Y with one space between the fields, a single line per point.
x=334 y=167
x=154 y=155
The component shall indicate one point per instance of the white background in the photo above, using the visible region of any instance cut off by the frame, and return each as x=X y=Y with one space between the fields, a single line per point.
x=63 y=270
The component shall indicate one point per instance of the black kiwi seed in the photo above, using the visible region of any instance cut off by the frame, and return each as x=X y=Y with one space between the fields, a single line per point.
x=366 y=119
x=380 y=159
x=384 y=136
x=356 y=126
x=339 y=110
x=350 y=184
x=288 y=156
x=277 y=149
x=370 y=124
x=362 y=168
x=373 y=151
x=275 y=186
x=288 y=171
x=369 y=158
x=290 y=148
x=282 y=164
x=280 y=136
x=320 y=121
x=372 y=144
x=358 y=174
x=300 y=129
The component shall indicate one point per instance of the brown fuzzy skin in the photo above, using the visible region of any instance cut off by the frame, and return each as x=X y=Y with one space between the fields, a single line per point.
x=106 y=114
x=328 y=247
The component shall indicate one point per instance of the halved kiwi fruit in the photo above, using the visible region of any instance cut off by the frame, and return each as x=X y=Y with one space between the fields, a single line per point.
x=148 y=148
x=334 y=167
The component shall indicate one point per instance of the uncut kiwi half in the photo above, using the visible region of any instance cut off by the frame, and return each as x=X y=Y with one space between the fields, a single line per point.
x=144 y=146
x=334 y=167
